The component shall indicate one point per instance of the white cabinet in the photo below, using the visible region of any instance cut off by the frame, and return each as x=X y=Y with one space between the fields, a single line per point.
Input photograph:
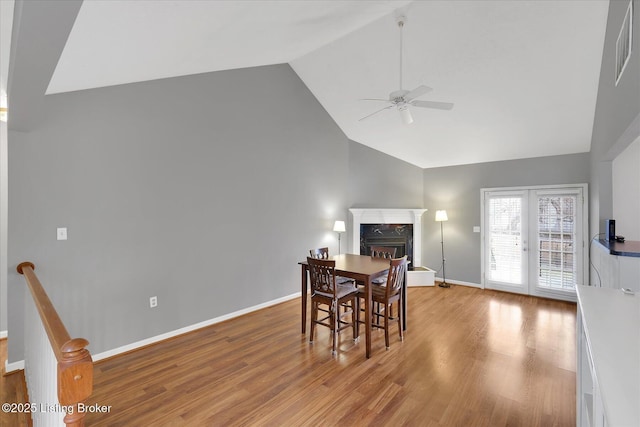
x=589 y=411
x=608 y=362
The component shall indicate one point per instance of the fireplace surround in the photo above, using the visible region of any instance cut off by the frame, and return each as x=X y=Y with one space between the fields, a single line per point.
x=388 y=216
x=422 y=275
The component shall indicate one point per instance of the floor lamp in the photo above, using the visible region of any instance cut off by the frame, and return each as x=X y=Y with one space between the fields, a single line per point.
x=339 y=228
x=441 y=216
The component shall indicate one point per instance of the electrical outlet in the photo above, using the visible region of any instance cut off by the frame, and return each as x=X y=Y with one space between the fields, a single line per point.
x=61 y=233
x=153 y=302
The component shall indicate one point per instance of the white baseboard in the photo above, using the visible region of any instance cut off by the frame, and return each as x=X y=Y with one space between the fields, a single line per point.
x=459 y=282
x=203 y=324
x=13 y=366
x=19 y=365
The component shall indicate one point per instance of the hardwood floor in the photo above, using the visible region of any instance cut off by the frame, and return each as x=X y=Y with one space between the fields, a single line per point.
x=470 y=357
x=13 y=389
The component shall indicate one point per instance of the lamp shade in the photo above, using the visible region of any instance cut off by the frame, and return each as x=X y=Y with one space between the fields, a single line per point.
x=339 y=227
x=441 y=215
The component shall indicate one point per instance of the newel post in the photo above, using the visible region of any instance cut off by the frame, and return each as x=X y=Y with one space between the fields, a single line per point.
x=75 y=366
x=75 y=379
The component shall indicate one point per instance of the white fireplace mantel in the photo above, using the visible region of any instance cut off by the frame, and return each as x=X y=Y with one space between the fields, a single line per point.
x=389 y=216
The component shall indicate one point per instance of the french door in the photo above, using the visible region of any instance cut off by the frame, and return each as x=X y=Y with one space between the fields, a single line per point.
x=533 y=240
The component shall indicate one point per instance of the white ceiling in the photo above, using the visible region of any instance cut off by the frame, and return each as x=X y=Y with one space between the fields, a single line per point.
x=115 y=42
x=523 y=74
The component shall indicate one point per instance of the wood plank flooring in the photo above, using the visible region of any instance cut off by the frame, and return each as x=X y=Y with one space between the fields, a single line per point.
x=13 y=389
x=470 y=357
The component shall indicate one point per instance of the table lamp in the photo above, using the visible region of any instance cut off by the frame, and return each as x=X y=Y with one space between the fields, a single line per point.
x=339 y=227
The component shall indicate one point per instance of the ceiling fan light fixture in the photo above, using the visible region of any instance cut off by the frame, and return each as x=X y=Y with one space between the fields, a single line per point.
x=407 y=118
x=401 y=99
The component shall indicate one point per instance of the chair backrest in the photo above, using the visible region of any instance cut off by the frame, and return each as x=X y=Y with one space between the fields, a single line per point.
x=320 y=253
x=397 y=273
x=383 y=252
x=322 y=274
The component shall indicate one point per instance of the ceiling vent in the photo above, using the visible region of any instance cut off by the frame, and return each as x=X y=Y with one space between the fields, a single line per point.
x=623 y=44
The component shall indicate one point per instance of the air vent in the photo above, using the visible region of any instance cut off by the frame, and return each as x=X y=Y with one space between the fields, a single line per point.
x=623 y=44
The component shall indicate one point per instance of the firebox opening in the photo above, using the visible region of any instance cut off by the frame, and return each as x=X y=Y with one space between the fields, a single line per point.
x=399 y=236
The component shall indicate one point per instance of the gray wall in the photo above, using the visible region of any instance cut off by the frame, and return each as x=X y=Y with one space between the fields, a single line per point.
x=377 y=180
x=3 y=225
x=457 y=189
x=165 y=185
x=617 y=116
x=203 y=190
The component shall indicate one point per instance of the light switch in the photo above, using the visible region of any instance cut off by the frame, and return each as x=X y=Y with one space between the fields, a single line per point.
x=62 y=233
x=476 y=228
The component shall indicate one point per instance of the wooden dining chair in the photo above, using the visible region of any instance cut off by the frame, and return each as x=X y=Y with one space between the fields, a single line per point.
x=323 y=253
x=341 y=300
x=319 y=253
x=383 y=252
x=388 y=294
x=386 y=252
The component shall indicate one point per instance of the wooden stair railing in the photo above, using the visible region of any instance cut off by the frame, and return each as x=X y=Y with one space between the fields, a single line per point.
x=75 y=366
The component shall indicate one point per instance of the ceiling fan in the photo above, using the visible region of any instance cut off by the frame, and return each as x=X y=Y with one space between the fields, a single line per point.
x=401 y=99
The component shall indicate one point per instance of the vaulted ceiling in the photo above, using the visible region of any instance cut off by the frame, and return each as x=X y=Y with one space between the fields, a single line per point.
x=523 y=75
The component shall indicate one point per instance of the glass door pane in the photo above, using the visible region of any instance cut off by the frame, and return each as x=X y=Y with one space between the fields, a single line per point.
x=557 y=241
x=505 y=239
x=533 y=240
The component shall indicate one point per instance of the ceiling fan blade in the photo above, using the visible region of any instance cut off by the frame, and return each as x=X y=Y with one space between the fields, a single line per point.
x=417 y=92
x=376 y=112
x=373 y=99
x=433 y=104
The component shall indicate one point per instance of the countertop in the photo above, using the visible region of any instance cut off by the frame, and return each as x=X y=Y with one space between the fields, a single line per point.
x=611 y=320
x=628 y=248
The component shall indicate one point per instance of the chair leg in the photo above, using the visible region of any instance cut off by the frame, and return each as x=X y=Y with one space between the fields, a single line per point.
x=335 y=321
x=354 y=318
x=314 y=316
x=400 y=320
x=358 y=317
x=386 y=325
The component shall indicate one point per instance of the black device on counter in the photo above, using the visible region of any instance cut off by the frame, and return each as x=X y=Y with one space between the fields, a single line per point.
x=610 y=230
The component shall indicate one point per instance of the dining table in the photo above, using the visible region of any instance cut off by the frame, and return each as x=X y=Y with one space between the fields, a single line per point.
x=361 y=268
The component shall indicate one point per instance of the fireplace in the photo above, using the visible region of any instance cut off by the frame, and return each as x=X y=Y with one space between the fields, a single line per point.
x=411 y=219
x=398 y=236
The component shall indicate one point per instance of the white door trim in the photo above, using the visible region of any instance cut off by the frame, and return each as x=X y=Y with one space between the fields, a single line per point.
x=583 y=187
